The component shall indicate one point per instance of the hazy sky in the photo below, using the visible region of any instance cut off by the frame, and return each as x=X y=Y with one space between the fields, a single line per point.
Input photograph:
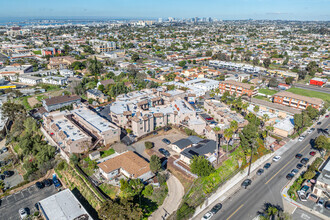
x=222 y=9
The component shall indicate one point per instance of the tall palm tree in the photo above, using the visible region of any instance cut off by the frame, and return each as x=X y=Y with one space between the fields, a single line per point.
x=228 y=134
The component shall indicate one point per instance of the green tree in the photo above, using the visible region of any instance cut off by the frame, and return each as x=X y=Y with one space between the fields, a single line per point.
x=228 y=134
x=182 y=63
x=148 y=144
x=309 y=174
x=155 y=164
x=289 y=80
x=298 y=121
x=135 y=57
x=313 y=113
x=121 y=209
x=322 y=142
x=95 y=67
x=148 y=190
x=266 y=63
x=201 y=166
x=256 y=108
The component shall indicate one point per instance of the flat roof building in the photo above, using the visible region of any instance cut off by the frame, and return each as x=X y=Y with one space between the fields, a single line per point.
x=63 y=206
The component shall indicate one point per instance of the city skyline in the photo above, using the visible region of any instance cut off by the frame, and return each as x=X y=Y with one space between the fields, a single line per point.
x=226 y=10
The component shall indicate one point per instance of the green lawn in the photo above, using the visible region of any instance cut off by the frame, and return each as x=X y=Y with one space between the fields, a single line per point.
x=109 y=190
x=267 y=91
x=310 y=93
x=107 y=152
x=261 y=97
x=26 y=103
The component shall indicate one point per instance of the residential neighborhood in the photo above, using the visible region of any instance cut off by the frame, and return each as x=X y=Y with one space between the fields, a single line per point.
x=167 y=118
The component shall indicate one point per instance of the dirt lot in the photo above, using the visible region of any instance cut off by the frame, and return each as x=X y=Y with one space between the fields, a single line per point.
x=32 y=101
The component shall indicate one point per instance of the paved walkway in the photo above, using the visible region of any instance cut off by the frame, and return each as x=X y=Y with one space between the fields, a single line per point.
x=172 y=201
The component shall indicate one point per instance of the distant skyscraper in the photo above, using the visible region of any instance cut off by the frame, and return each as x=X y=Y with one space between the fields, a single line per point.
x=204 y=19
x=170 y=19
x=160 y=20
x=210 y=19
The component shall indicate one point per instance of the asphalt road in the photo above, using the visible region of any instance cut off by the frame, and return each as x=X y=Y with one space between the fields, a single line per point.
x=266 y=188
x=25 y=198
x=313 y=88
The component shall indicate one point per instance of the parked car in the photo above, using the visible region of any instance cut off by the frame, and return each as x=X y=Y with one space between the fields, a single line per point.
x=321 y=202
x=301 y=138
x=155 y=133
x=47 y=182
x=166 y=141
x=2 y=177
x=164 y=152
x=207 y=216
x=304 y=161
x=5 y=149
x=327 y=116
x=40 y=185
x=36 y=206
x=294 y=171
x=276 y=158
x=327 y=205
x=209 y=119
x=298 y=156
x=260 y=171
x=167 y=128
x=8 y=173
x=312 y=197
x=246 y=183
x=22 y=213
x=216 y=208
x=312 y=153
x=267 y=165
x=289 y=176
x=299 y=166
x=318 y=123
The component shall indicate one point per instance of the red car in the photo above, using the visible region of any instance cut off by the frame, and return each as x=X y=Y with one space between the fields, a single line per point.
x=209 y=119
x=312 y=153
x=327 y=116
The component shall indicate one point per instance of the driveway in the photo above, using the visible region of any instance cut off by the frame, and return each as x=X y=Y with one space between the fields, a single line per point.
x=25 y=198
x=172 y=135
x=172 y=201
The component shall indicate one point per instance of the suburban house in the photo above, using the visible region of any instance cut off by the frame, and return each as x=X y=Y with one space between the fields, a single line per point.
x=322 y=185
x=285 y=127
x=128 y=164
x=297 y=101
x=58 y=102
x=206 y=148
x=184 y=143
x=96 y=95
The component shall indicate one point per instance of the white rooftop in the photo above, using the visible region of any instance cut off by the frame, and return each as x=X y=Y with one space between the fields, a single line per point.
x=94 y=119
x=63 y=206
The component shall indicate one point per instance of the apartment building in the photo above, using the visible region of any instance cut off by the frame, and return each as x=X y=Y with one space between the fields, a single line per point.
x=297 y=101
x=79 y=130
x=54 y=103
x=30 y=80
x=143 y=111
x=55 y=80
x=68 y=136
x=238 y=88
x=101 y=46
x=60 y=62
x=105 y=131
x=223 y=115
x=15 y=69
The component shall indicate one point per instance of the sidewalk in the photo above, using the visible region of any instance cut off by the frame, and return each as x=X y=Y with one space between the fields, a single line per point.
x=231 y=186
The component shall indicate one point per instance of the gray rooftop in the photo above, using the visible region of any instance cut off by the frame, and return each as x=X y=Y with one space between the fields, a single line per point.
x=63 y=206
x=202 y=148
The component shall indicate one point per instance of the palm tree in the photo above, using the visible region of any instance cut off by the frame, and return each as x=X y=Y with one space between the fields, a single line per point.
x=228 y=134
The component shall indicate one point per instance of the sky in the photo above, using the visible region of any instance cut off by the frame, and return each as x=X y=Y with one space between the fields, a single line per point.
x=221 y=9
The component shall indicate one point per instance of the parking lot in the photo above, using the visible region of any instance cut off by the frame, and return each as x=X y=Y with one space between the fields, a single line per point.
x=25 y=198
x=172 y=135
x=13 y=180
